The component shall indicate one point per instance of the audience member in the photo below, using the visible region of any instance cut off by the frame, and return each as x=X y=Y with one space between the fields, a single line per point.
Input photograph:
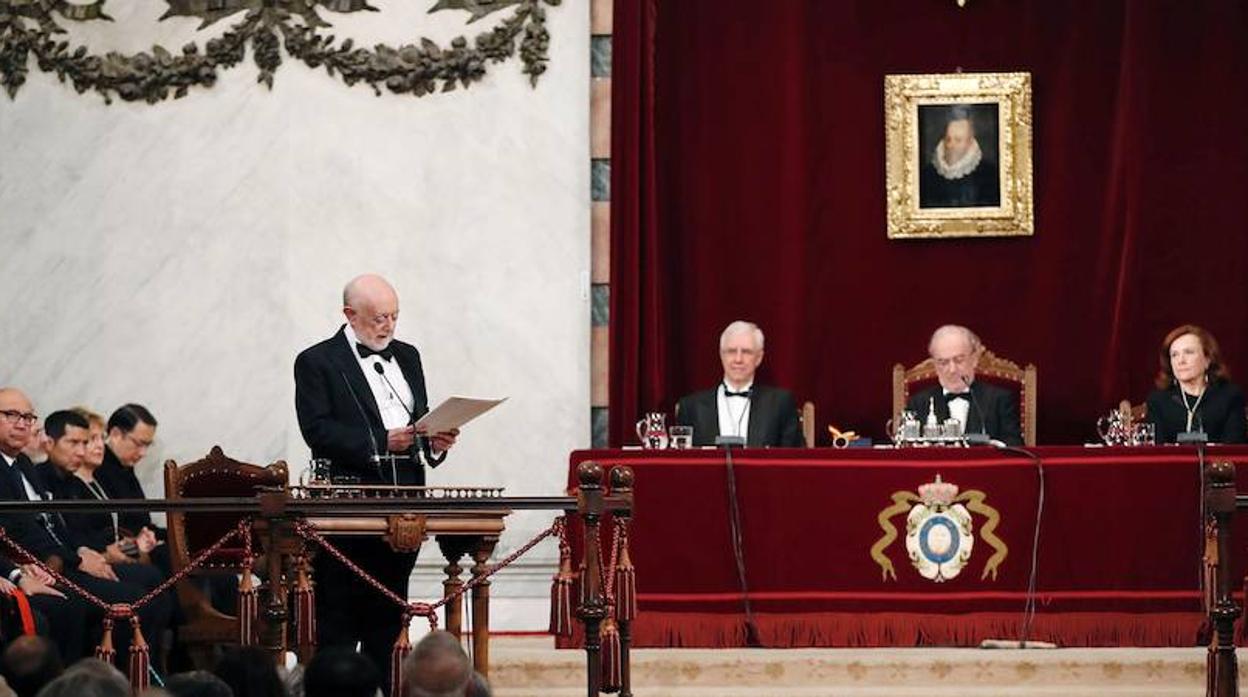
x=46 y=536
x=131 y=430
x=249 y=671
x=29 y=663
x=88 y=678
x=340 y=672
x=65 y=441
x=437 y=667
x=197 y=683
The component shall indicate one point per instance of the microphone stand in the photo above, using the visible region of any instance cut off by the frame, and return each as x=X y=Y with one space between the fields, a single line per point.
x=738 y=548
x=1029 y=606
x=1198 y=438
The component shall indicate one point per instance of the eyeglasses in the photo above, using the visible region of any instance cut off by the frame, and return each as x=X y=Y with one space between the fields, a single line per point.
x=958 y=360
x=382 y=319
x=13 y=417
x=143 y=444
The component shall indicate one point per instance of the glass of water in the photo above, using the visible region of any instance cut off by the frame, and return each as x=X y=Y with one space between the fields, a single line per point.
x=1144 y=433
x=681 y=437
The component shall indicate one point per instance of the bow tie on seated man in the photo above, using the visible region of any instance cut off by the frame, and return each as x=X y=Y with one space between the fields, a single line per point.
x=764 y=416
x=981 y=407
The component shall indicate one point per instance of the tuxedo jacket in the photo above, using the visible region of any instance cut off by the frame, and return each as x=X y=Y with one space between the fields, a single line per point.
x=998 y=405
x=338 y=414
x=773 y=417
x=1220 y=413
x=29 y=529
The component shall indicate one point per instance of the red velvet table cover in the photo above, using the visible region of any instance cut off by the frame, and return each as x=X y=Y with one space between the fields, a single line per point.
x=1119 y=558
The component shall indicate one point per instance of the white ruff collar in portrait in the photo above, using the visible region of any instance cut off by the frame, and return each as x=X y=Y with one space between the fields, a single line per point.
x=962 y=167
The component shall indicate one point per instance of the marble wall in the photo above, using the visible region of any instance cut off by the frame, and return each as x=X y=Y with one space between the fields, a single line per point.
x=180 y=255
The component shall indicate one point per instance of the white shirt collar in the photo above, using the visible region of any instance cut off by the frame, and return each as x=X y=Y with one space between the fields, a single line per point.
x=723 y=387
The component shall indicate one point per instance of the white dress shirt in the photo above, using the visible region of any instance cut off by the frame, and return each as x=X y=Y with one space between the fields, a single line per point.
x=390 y=402
x=734 y=412
x=959 y=409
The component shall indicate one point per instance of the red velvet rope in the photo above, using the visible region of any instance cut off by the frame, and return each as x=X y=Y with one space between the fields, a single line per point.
x=419 y=609
x=122 y=610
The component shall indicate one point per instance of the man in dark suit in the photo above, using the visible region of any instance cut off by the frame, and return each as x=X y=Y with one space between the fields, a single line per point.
x=131 y=431
x=357 y=395
x=956 y=350
x=765 y=416
x=46 y=536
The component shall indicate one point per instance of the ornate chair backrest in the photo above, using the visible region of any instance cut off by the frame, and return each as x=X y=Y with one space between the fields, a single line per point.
x=215 y=475
x=808 y=423
x=991 y=367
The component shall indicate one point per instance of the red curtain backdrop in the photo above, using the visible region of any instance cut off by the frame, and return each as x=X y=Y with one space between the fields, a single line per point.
x=748 y=182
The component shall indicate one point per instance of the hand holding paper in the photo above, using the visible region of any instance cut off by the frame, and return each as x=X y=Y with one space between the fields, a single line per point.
x=444 y=421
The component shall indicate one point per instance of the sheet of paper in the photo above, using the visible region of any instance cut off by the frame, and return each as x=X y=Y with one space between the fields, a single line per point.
x=455 y=412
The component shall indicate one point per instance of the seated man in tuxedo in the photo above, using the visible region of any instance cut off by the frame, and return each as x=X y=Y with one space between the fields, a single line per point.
x=764 y=416
x=46 y=536
x=981 y=407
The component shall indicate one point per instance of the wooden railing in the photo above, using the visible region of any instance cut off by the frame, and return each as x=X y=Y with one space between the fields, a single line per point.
x=1221 y=502
x=275 y=513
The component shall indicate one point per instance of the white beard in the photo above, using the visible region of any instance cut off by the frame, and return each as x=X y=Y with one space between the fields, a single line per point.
x=962 y=167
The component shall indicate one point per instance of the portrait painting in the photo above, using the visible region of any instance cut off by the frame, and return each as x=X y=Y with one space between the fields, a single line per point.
x=958 y=151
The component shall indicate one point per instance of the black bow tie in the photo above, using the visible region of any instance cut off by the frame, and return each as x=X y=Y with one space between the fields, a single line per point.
x=387 y=353
x=957 y=395
x=730 y=393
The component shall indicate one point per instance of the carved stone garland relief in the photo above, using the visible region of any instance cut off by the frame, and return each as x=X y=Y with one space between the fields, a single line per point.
x=31 y=27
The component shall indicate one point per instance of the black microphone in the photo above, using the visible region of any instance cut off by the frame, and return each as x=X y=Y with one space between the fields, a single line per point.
x=372 y=440
x=981 y=438
x=382 y=372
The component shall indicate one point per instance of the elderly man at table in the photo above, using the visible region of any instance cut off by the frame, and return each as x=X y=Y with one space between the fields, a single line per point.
x=981 y=407
x=738 y=406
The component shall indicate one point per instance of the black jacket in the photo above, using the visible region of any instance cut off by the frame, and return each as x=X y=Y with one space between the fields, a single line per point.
x=1220 y=413
x=773 y=417
x=338 y=414
x=998 y=405
x=44 y=535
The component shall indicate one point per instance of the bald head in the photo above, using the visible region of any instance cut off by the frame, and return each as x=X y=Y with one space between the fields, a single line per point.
x=17 y=423
x=955 y=350
x=367 y=288
x=371 y=306
x=437 y=667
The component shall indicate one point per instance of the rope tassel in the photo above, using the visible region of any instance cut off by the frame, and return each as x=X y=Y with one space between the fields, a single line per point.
x=402 y=646
x=625 y=586
x=612 y=657
x=561 y=597
x=248 y=607
x=140 y=658
x=105 y=651
x=305 y=610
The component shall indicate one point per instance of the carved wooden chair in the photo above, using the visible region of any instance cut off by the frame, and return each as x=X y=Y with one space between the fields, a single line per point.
x=996 y=370
x=189 y=534
x=807 y=417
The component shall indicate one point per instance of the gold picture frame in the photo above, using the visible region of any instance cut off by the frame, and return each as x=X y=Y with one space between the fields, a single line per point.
x=958 y=149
